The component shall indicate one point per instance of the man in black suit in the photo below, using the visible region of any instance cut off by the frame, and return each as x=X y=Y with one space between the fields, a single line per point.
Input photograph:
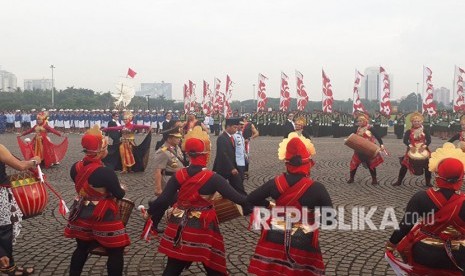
x=114 y=135
x=289 y=126
x=225 y=160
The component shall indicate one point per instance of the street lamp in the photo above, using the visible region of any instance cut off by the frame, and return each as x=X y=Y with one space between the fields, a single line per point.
x=53 y=84
x=148 y=103
x=418 y=108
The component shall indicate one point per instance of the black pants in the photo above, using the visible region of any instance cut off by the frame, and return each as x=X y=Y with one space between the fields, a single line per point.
x=175 y=267
x=115 y=260
x=6 y=242
x=236 y=182
x=434 y=257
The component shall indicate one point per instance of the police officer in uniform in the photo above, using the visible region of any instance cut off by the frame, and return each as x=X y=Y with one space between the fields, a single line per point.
x=168 y=159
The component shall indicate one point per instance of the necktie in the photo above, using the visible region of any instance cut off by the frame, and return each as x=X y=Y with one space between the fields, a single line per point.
x=232 y=141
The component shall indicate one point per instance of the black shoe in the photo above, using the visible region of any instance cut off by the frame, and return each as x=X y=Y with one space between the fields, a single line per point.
x=350 y=180
x=397 y=183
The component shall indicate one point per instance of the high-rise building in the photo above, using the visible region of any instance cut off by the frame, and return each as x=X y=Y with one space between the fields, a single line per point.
x=442 y=95
x=8 y=81
x=38 y=84
x=155 y=90
x=372 y=85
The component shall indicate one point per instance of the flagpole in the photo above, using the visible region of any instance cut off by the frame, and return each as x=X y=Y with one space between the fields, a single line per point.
x=453 y=87
x=422 y=89
x=253 y=95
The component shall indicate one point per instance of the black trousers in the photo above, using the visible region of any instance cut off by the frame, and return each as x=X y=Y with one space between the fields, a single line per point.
x=115 y=260
x=175 y=267
x=6 y=242
x=236 y=181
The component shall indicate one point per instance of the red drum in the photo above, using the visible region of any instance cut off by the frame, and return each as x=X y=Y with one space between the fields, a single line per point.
x=226 y=209
x=30 y=194
x=362 y=146
x=125 y=210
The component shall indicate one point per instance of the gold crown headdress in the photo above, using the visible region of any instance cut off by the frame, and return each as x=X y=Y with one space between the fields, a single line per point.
x=448 y=150
x=283 y=145
x=416 y=115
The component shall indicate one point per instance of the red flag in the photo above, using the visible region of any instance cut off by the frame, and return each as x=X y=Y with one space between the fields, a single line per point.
x=285 y=98
x=186 y=98
x=227 y=97
x=357 y=104
x=262 y=99
x=219 y=97
x=131 y=73
x=206 y=102
x=428 y=105
x=459 y=98
x=385 y=103
x=327 y=102
x=302 y=97
x=191 y=96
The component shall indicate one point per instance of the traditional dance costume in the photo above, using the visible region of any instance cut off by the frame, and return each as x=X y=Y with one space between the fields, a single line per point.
x=41 y=144
x=94 y=219
x=294 y=250
x=433 y=245
x=193 y=234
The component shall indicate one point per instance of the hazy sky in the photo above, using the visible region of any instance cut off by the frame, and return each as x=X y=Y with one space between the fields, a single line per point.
x=92 y=42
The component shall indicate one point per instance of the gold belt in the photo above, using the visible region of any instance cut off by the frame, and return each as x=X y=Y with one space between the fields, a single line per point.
x=179 y=213
x=440 y=243
x=279 y=224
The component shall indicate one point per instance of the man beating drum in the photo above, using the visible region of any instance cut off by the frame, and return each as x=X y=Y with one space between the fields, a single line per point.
x=416 y=157
x=365 y=131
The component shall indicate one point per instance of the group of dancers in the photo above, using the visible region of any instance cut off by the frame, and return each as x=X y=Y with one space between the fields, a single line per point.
x=193 y=235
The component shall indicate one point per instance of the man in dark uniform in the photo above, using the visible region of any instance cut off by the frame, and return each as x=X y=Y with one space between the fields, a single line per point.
x=289 y=125
x=225 y=159
x=114 y=135
x=399 y=125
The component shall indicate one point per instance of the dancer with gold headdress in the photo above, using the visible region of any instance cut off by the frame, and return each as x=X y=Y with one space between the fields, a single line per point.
x=299 y=124
x=41 y=145
x=432 y=233
x=294 y=250
x=417 y=155
x=192 y=234
x=364 y=130
x=460 y=135
x=126 y=156
x=95 y=219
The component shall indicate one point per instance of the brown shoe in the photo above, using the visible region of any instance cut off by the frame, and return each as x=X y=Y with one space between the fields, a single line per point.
x=350 y=180
x=374 y=181
x=397 y=183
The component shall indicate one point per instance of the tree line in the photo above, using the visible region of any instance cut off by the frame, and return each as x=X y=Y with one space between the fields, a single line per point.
x=81 y=98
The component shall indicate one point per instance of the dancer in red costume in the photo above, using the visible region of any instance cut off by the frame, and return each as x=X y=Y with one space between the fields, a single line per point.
x=41 y=145
x=291 y=249
x=431 y=234
x=193 y=233
x=126 y=156
x=95 y=219
x=365 y=130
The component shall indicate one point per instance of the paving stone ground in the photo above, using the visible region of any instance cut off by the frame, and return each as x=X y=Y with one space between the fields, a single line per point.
x=42 y=245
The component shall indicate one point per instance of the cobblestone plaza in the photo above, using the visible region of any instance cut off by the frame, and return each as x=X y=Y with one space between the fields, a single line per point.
x=359 y=252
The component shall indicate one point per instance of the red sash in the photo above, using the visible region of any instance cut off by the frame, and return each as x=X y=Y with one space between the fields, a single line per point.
x=448 y=215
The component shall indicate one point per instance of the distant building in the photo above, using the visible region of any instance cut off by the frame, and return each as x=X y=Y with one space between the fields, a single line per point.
x=442 y=95
x=38 y=84
x=8 y=81
x=155 y=90
x=372 y=85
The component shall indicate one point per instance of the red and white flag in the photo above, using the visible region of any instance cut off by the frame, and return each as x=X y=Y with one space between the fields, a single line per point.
x=285 y=99
x=186 y=98
x=327 y=99
x=357 y=104
x=227 y=97
x=262 y=99
x=302 y=97
x=459 y=100
x=192 y=98
x=385 y=103
x=131 y=73
x=428 y=105
x=219 y=96
x=206 y=101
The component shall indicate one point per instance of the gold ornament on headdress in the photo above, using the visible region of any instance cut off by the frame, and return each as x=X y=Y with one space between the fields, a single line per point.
x=95 y=131
x=301 y=120
x=127 y=115
x=283 y=145
x=198 y=133
x=43 y=115
x=416 y=115
x=448 y=150
x=363 y=116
